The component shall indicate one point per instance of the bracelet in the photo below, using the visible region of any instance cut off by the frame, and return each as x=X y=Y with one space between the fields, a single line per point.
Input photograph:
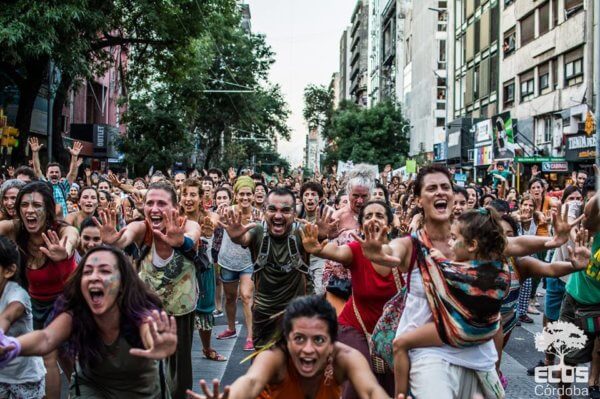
x=187 y=245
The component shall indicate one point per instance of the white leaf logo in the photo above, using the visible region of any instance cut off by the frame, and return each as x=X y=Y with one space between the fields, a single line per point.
x=560 y=338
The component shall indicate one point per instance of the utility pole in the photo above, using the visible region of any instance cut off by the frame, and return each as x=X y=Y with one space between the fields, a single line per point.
x=596 y=43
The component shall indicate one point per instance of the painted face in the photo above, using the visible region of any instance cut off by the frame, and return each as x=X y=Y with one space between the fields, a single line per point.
x=179 y=179
x=259 y=195
x=279 y=214
x=222 y=198
x=358 y=197
x=310 y=199
x=375 y=212
x=103 y=185
x=472 y=200
x=190 y=199
x=53 y=174
x=460 y=205
x=309 y=345
x=157 y=202
x=436 y=197
x=88 y=202
x=33 y=212
x=457 y=243
x=244 y=197
x=89 y=238
x=378 y=194
x=8 y=202
x=101 y=282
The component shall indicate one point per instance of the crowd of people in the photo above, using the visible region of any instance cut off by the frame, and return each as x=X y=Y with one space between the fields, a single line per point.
x=107 y=277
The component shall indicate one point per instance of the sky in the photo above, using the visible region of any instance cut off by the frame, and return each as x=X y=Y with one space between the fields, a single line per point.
x=305 y=36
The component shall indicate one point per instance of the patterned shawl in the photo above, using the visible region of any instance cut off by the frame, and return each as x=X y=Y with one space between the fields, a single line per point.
x=464 y=297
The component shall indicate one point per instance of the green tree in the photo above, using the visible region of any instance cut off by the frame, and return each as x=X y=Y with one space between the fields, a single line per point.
x=78 y=36
x=318 y=106
x=375 y=135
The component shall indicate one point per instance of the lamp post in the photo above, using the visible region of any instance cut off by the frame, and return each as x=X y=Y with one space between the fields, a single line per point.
x=53 y=80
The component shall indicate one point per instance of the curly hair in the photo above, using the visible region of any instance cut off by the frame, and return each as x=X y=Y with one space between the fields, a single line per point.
x=483 y=225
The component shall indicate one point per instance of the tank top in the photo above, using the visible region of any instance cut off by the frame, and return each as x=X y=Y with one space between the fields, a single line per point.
x=48 y=282
x=290 y=388
x=119 y=375
x=233 y=256
x=175 y=284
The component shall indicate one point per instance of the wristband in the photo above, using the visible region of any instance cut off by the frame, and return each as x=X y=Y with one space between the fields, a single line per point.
x=187 y=245
x=10 y=354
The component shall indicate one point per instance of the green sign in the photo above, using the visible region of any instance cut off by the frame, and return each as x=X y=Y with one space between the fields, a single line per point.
x=539 y=159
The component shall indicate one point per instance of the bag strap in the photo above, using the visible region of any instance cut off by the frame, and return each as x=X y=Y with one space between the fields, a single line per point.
x=362 y=325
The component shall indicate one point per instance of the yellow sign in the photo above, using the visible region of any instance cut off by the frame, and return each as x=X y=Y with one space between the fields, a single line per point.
x=590 y=124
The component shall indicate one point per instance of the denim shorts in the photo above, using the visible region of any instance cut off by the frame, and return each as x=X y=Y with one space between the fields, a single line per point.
x=229 y=276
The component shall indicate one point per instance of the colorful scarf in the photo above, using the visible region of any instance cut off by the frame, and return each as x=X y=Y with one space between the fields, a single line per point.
x=464 y=297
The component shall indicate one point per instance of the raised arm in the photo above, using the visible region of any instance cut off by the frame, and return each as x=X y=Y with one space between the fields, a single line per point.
x=73 y=166
x=266 y=367
x=356 y=369
x=326 y=250
x=394 y=254
x=121 y=239
x=35 y=155
x=239 y=233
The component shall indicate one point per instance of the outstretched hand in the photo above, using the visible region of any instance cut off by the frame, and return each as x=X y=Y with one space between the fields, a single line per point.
x=174 y=229
x=76 y=149
x=215 y=394
x=163 y=337
x=55 y=249
x=580 y=254
x=34 y=144
x=562 y=227
x=310 y=239
x=231 y=221
x=108 y=227
x=372 y=244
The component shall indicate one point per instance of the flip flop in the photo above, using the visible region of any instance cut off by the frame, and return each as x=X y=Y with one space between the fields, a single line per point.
x=213 y=355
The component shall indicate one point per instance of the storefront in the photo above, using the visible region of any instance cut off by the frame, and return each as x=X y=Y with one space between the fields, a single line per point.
x=483 y=152
x=581 y=150
x=459 y=147
x=555 y=170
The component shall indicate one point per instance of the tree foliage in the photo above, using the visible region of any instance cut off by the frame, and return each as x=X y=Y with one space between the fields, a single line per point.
x=375 y=135
x=318 y=106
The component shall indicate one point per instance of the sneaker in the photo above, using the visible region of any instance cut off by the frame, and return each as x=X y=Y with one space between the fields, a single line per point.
x=525 y=319
x=218 y=313
x=531 y=370
x=532 y=310
x=249 y=346
x=594 y=392
x=227 y=334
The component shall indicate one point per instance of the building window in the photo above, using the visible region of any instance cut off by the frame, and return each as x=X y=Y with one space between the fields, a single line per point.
x=527 y=26
x=508 y=93
x=554 y=13
x=476 y=83
x=543 y=131
x=574 y=67
x=544 y=22
x=509 y=43
x=544 y=78
x=494 y=74
x=554 y=74
x=439 y=122
x=572 y=7
x=527 y=86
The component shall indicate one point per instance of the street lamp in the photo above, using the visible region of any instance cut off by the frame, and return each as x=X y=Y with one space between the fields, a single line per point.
x=53 y=80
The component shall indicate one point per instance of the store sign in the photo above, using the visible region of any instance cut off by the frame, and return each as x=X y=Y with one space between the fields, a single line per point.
x=439 y=152
x=555 y=166
x=460 y=177
x=483 y=133
x=483 y=156
x=580 y=146
x=538 y=159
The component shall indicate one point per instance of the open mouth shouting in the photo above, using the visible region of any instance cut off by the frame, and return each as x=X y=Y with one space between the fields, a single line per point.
x=440 y=205
x=96 y=296
x=156 y=221
x=31 y=223
x=307 y=365
x=278 y=226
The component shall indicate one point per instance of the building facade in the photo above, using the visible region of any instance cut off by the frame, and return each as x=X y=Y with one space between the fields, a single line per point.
x=359 y=51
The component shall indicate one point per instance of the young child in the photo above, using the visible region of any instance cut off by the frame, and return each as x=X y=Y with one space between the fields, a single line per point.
x=22 y=377
x=476 y=280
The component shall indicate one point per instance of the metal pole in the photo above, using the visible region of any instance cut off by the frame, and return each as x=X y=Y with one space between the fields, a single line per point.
x=50 y=107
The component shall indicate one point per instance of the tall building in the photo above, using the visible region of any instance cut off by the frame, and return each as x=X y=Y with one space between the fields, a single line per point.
x=546 y=75
x=334 y=86
x=246 y=16
x=424 y=73
x=359 y=50
x=374 y=62
x=344 y=66
x=388 y=60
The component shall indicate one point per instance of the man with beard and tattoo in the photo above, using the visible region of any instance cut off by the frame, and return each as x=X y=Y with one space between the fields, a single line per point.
x=60 y=187
x=281 y=271
x=168 y=245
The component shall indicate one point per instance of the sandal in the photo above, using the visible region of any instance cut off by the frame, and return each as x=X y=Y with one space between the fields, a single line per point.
x=212 y=354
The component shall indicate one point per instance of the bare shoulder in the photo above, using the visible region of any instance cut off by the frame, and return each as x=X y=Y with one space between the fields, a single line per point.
x=9 y=228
